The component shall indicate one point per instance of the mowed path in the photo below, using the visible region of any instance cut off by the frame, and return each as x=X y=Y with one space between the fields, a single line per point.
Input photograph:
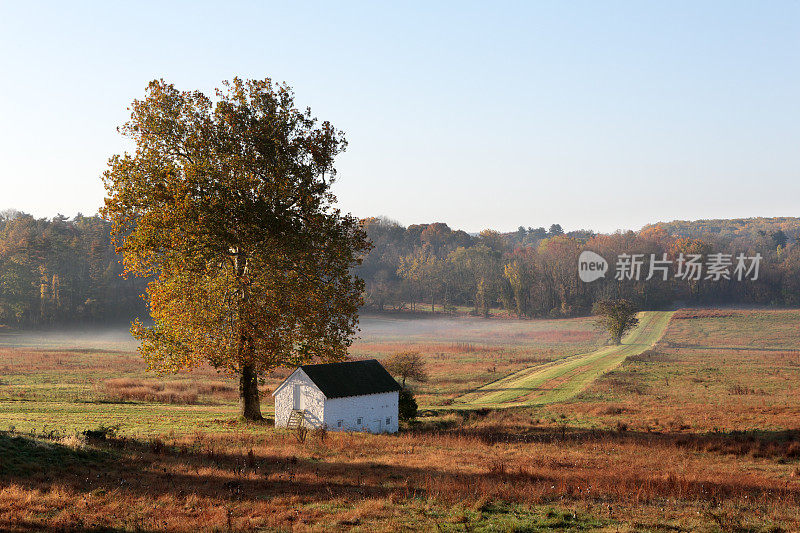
x=561 y=380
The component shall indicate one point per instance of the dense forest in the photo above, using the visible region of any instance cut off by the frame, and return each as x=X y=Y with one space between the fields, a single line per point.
x=61 y=271
x=533 y=272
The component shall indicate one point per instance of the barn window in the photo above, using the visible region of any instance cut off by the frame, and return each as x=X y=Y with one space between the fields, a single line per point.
x=358 y=421
x=339 y=423
x=388 y=420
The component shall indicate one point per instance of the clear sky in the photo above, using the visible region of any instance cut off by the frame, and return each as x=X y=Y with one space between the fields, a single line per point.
x=600 y=115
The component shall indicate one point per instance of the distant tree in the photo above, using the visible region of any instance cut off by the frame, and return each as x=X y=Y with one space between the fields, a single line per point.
x=461 y=238
x=690 y=246
x=518 y=273
x=616 y=316
x=479 y=271
x=779 y=239
x=537 y=233
x=581 y=234
x=790 y=270
x=407 y=405
x=407 y=365
x=228 y=204
x=10 y=214
x=555 y=230
x=558 y=285
x=424 y=271
x=494 y=240
x=436 y=236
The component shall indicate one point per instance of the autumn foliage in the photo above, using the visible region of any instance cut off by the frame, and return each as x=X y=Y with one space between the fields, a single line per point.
x=226 y=203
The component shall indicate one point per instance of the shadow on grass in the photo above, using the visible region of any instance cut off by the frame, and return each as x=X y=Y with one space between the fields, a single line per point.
x=22 y=456
x=782 y=445
x=24 y=526
x=130 y=468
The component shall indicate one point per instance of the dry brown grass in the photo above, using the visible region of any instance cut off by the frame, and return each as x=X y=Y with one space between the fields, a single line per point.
x=264 y=479
x=30 y=361
x=177 y=392
x=687 y=314
x=699 y=434
x=725 y=371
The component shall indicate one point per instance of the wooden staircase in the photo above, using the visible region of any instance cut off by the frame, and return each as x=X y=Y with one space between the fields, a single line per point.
x=296 y=419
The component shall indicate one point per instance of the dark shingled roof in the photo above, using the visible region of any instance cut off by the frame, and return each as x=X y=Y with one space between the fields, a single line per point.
x=351 y=378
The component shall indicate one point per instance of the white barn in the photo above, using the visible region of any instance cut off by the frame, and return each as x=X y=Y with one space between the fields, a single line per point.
x=349 y=396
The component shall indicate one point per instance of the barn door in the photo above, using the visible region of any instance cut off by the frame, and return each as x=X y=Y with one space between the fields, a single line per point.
x=297 y=395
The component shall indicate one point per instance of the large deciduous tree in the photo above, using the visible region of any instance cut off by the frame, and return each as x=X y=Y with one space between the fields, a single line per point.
x=227 y=205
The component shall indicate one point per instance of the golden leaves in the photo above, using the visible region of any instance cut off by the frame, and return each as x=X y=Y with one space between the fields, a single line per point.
x=229 y=206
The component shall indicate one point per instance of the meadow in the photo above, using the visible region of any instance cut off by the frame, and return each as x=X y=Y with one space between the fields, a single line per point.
x=567 y=377
x=79 y=378
x=713 y=371
x=696 y=433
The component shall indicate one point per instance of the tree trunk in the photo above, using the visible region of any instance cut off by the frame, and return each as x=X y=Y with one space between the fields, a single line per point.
x=249 y=402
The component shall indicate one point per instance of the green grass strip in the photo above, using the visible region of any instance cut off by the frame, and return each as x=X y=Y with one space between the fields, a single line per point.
x=570 y=376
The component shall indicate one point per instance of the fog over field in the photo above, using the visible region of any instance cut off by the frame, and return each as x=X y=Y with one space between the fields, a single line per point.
x=372 y=327
x=112 y=338
x=458 y=328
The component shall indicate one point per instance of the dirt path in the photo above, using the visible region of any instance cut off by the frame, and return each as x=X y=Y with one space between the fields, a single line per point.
x=563 y=379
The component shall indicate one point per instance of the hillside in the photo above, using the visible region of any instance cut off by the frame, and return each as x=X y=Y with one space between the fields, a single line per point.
x=734 y=228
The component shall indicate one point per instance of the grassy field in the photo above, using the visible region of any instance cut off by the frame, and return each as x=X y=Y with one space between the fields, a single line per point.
x=464 y=353
x=712 y=371
x=697 y=433
x=565 y=378
x=48 y=378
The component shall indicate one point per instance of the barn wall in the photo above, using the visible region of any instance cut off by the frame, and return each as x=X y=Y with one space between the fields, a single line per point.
x=371 y=408
x=313 y=398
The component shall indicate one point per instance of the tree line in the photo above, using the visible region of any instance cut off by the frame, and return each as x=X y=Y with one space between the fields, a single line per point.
x=62 y=271
x=65 y=271
x=533 y=272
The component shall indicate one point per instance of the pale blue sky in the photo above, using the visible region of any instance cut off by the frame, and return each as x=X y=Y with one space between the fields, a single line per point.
x=602 y=115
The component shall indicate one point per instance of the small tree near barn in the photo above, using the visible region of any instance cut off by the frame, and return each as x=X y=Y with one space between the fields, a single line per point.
x=407 y=405
x=407 y=365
